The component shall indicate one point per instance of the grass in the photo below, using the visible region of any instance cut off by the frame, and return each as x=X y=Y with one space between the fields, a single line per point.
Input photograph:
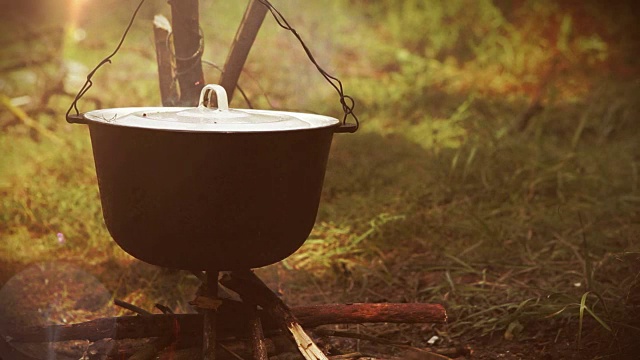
x=518 y=234
x=523 y=235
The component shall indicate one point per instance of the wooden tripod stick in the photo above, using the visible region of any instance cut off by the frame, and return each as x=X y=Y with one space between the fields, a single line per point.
x=209 y=330
x=258 y=344
x=249 y=286
x=253 y=17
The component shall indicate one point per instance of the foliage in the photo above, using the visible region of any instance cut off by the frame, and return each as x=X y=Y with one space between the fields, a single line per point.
x=439 y=197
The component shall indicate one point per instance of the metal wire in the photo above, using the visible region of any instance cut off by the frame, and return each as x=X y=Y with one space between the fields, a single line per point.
x=88 y=84
x=347 y=102
x=195 y=55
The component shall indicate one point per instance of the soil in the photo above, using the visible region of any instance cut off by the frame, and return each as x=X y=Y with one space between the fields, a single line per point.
x=61 y=293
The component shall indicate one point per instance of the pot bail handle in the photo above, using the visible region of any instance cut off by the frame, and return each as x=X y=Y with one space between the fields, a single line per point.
x=221 y=94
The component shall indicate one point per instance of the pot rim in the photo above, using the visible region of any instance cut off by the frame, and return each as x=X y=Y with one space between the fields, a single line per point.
x=206 y=119
x=113 y=117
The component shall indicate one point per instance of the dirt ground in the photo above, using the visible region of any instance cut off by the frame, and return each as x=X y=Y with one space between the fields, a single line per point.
x=62 y=293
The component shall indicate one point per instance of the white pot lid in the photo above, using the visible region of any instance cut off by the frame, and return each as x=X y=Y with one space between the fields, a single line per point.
x=205 y=119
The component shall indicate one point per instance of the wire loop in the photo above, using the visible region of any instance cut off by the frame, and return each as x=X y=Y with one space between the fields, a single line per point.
x=196 y=55
x=89 y=83
x=347 y=102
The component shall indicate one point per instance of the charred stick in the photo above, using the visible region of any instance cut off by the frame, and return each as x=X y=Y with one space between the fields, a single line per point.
x=209 y=330
x=259 y=348
x=231 y=321
x=131 y=307
x=251 y=288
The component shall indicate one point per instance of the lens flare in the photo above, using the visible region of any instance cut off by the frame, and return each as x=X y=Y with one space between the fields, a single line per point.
x=75 y=13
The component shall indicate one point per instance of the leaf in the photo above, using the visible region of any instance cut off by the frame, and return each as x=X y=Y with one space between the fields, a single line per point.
x=513 y=329
x=583 y=305
x=598 y=319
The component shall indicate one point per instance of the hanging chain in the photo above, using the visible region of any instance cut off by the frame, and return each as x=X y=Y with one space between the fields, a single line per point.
x=89 y=83
x=347 y=102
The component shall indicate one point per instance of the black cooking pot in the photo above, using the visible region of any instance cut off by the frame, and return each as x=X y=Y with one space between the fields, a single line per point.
x=209 y=189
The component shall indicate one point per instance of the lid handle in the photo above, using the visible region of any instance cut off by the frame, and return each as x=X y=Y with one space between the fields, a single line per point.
x=221 y=94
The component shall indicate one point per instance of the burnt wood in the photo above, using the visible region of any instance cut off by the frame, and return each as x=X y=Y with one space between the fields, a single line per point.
x=258 y=344
x=231 y=319
x=250 y=287
x=209 y=327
